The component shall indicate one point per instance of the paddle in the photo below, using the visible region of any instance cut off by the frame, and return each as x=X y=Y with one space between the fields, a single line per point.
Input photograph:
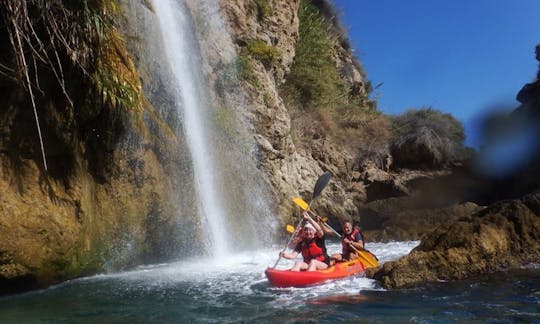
x=288 y=242
x=319 y=186
x=365 y=255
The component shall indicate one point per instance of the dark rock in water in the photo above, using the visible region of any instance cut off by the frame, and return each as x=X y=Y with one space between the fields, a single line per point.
x=502 y=236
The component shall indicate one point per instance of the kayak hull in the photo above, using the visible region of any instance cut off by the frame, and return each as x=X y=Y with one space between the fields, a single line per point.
x=287 y=278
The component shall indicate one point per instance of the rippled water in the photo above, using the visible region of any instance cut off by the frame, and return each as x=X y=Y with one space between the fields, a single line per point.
x=235 y=290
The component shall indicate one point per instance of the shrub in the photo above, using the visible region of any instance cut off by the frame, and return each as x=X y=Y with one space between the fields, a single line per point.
x=259 y=50
x=245 y=72
x=329 y=12
x=426 y=138
x=314 y=80
x=264 y=8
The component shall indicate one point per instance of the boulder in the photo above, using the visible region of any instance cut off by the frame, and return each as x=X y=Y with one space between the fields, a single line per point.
x=501 y=236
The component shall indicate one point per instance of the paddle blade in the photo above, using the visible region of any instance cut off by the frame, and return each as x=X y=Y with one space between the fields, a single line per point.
x=368 y=258
x=290 y=228
x=321 y=183
x=301 y=203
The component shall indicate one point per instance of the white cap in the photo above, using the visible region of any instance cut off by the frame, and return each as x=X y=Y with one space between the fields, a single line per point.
x=308 y=225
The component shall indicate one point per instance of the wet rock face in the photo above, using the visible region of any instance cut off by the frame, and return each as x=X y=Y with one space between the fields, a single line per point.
x=504 y=235
x=110 y=178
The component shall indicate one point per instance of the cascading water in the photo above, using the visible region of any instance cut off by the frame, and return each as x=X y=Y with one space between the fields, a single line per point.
x=231 y=192
x=180 y=47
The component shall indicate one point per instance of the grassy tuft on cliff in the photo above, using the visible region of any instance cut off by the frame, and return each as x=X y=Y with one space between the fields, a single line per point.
x=314 y=81
x=321 y=102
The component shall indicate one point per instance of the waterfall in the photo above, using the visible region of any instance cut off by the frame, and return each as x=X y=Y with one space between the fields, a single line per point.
x=182 y=54
x=232 y=196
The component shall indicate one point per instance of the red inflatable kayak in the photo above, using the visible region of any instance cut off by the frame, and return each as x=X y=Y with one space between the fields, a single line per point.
x=287 y=278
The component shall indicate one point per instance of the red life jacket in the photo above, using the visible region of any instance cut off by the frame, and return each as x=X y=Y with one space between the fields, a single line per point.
x=312 y=251
x=351 y=237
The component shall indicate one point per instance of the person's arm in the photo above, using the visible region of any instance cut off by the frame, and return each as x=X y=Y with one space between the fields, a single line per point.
x=290 y=255
x=326 y=230
x=359 y=243
x=297 y=239
x=318 y=229
x=325 y=227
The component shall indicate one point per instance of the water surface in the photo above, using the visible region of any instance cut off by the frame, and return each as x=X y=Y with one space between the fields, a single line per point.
x=235 y=290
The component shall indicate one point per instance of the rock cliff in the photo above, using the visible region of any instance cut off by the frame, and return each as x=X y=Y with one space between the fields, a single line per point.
x=105 y=201
x=292 y=169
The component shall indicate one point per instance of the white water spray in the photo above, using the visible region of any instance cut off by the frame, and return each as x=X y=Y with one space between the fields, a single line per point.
x=183 y=57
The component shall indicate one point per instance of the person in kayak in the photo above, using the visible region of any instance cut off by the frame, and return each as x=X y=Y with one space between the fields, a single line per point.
x=351 y=239
x=312 y=247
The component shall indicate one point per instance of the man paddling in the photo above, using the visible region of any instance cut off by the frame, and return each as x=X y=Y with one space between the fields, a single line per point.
x=351 y=241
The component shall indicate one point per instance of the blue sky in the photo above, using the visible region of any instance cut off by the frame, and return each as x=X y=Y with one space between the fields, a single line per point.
x=463 y=57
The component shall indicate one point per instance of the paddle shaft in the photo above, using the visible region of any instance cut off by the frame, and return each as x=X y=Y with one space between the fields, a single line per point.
x=288 y=242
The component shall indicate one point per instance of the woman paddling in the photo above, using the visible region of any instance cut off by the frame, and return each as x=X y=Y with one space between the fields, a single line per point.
x=312 y=247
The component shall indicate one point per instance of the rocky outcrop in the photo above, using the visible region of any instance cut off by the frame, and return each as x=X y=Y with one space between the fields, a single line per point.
x=86 y=215
x=504 y=235
x=529 y=95
x=398 y=219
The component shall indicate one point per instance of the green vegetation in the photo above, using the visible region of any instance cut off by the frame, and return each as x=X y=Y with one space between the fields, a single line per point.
x=66 y=55
x=68 y=37
x=239 y=69
x=259 y=50
x=427 y=136
x=314 y=80
x=264 y=8
x=244 y=70
x=444 y=125
x=321 y=102
x=115 y=77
